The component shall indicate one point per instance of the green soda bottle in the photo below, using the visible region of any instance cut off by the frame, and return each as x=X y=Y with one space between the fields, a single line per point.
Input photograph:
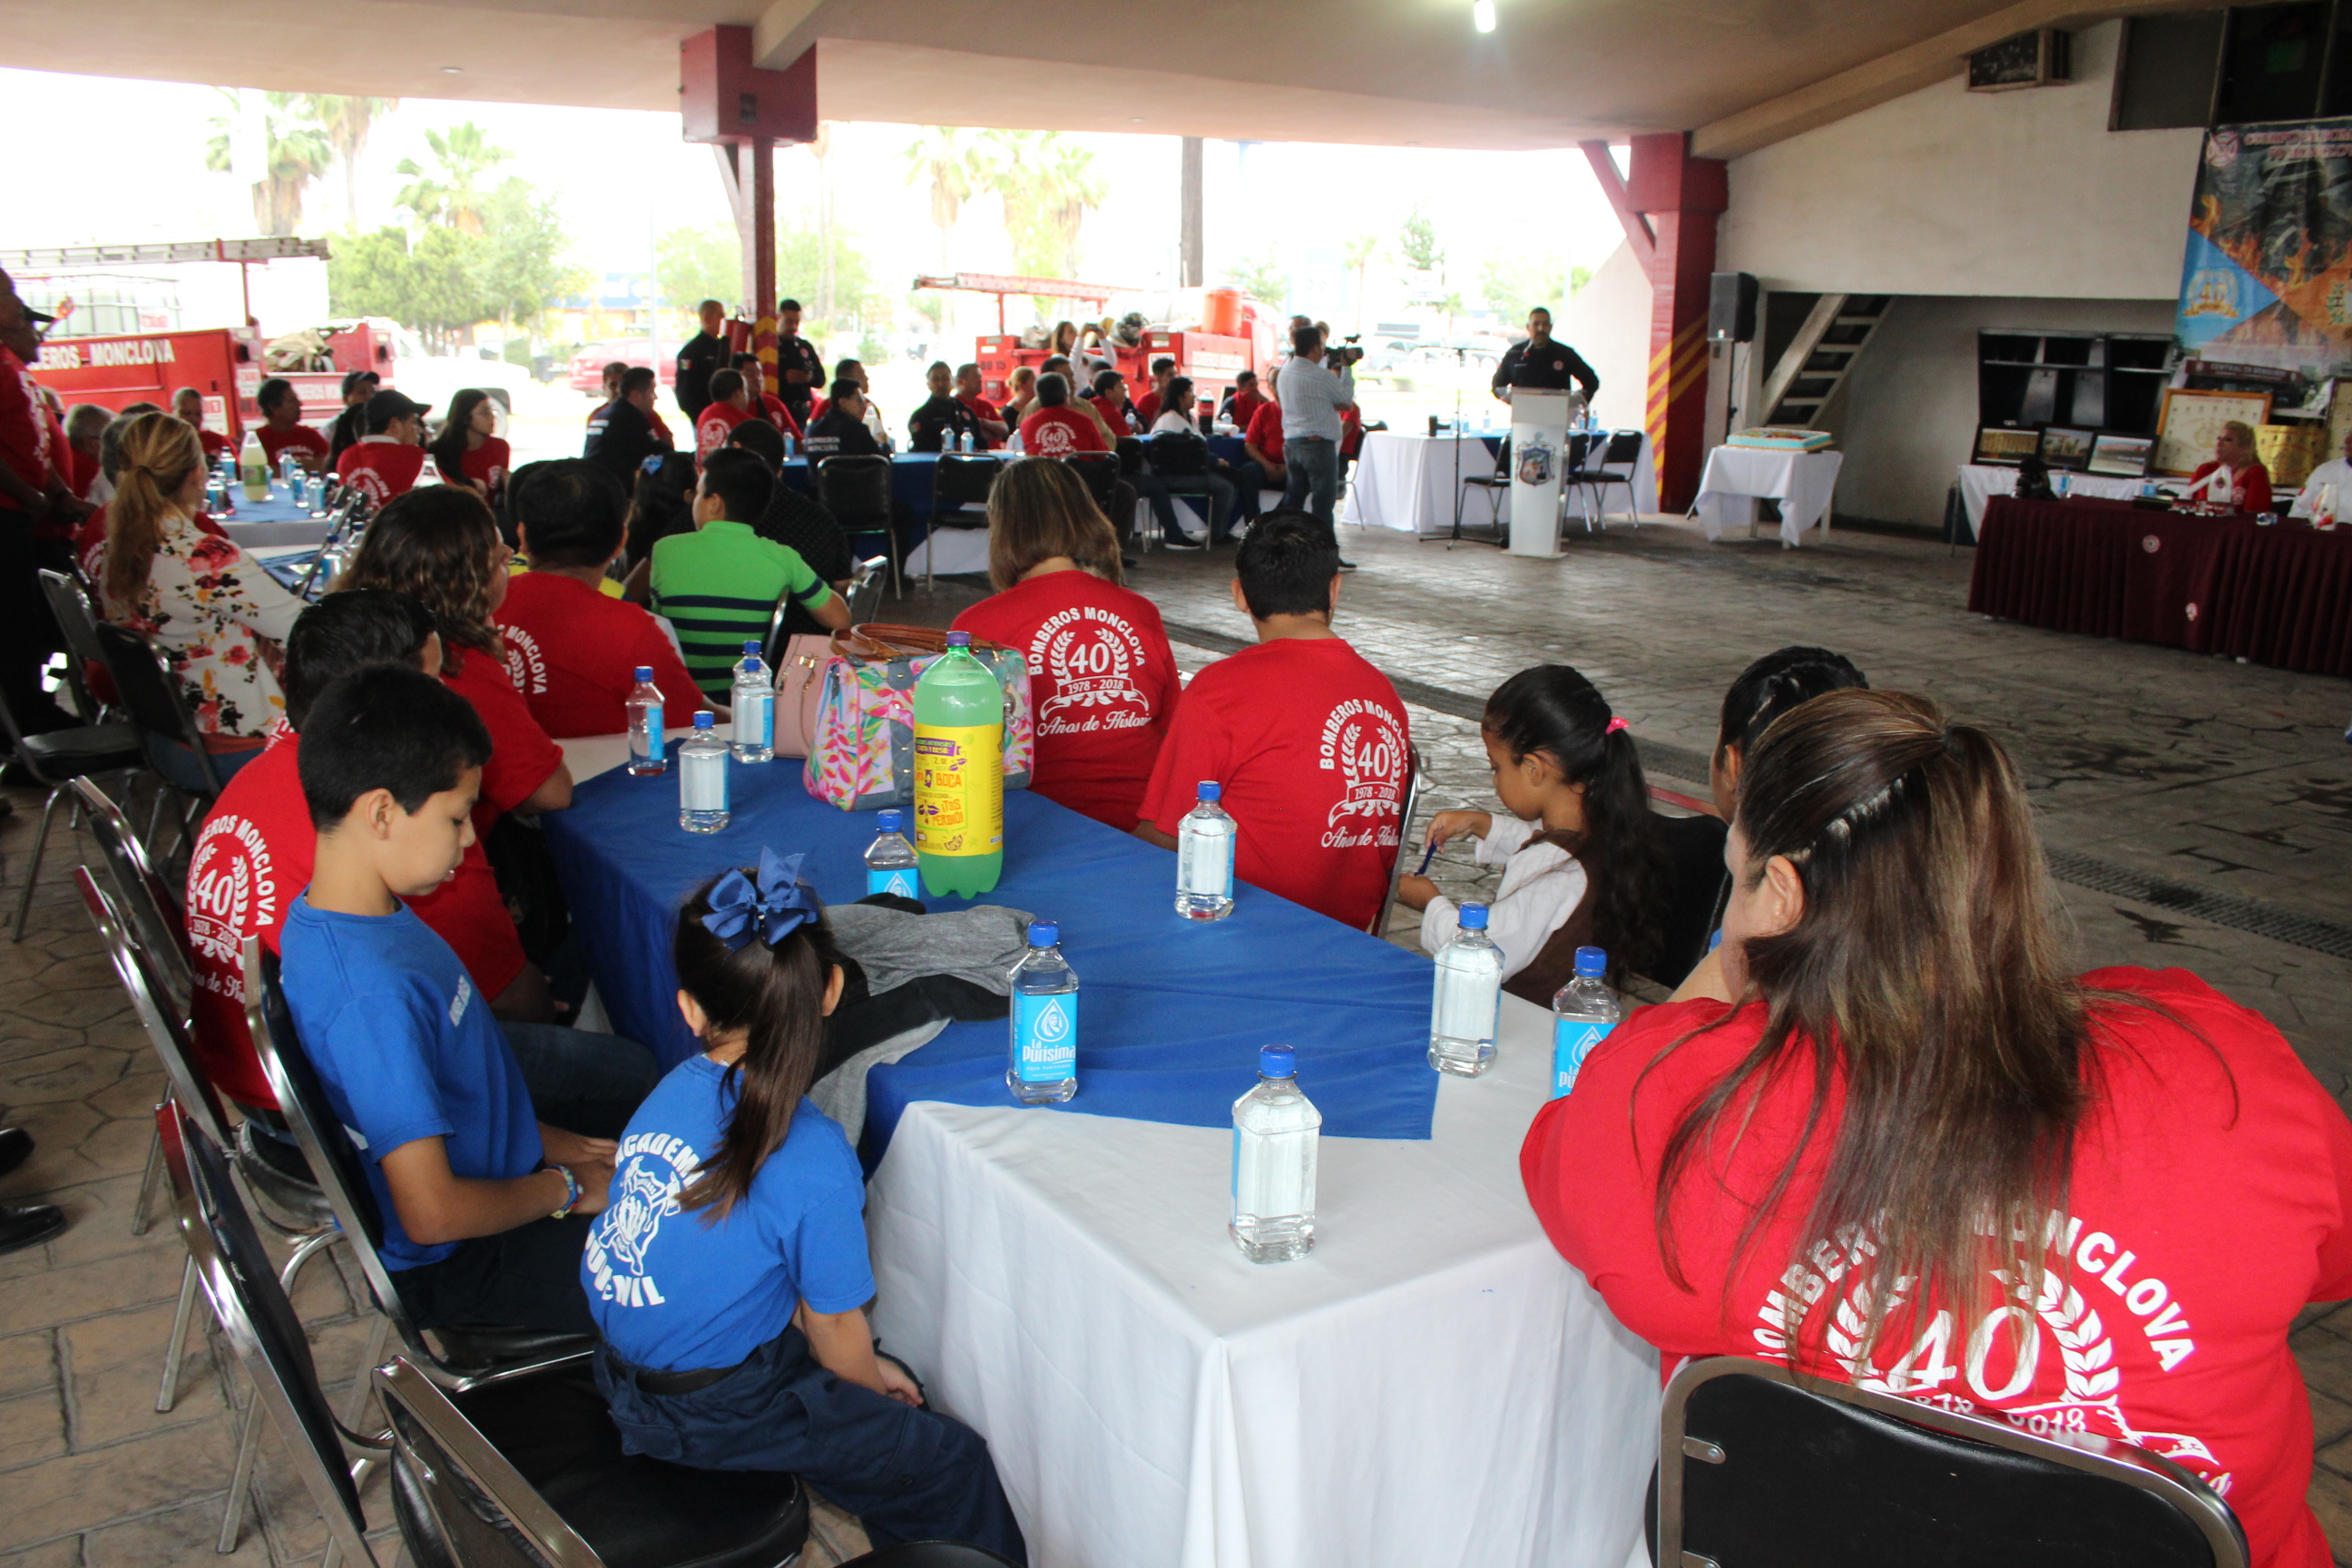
x=959 y=773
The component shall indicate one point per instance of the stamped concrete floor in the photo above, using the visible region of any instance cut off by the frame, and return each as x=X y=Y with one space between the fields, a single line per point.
x=2196 y=805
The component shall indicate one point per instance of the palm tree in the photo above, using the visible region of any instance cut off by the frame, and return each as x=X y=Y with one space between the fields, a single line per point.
x=294 y=152
x=944 y=157
x=464 y=157
x=1359 y=252
x=1075 y=190
x=347 y=122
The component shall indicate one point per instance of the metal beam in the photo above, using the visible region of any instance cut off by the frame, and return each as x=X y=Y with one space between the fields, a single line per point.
x=1190 y=270
x=271 y=248
x=1045 y=288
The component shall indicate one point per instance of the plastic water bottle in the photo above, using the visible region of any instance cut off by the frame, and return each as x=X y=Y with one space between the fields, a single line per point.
x=1582 y=1013
x=1274 y=1129
x=702 y=778
x=646 y=755
x=1044 y=1066
x=890 y=863
x=1466 y=1005
x=253 y=468
x=959 y=773
x=1204 y=859
x=754 y=705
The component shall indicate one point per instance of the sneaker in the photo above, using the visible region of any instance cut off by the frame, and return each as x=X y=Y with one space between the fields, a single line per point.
x=1185 y=542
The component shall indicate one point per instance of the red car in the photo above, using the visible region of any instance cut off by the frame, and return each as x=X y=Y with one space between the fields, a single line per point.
x=588 y=365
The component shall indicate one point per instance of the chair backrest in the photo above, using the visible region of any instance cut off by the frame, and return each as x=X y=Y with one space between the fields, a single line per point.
x=1696 y=882
x=482 y=1513
x=856 y=489
x=1380 y=925
x=1755 y=1468
x=1502 y=460
x=866 y=585
x=166 y=1027
x=318 y=1130
x=150 y=695
x=259 y=1323
x=1624 y=446
x=929 y=1554
x=1101 y=470
x=1176 y=454
x=153 y=906
x=78 y=619
x=963 y=479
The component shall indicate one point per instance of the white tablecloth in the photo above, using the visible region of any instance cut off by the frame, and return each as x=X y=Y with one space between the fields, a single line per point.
x=1405 y=480
x=1432 y=1386
x=1979 y=483
x=1802 y=482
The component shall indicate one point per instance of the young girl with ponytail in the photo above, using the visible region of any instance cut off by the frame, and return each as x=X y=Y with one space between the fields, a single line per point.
x=1580 y=850
x=728 y=1276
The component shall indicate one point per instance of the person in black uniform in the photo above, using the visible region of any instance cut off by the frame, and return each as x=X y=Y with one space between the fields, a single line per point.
x=940 y=423
x=1541 y=363
x=842 y=432
x=628 y=438
x=800 y=369
x=704 y=353
x=358 y=385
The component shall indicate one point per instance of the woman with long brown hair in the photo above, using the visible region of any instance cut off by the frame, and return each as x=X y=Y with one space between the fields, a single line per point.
x=220 y=620
x=1101 y=676
x=468 y=451
x=1891 y=1140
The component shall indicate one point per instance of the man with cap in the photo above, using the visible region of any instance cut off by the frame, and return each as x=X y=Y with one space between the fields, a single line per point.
x=1540 y=363
x=385 y=462
x=358 y=385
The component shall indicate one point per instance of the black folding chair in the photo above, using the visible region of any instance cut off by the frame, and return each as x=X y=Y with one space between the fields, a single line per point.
x=1180 y=462
x=1758 y=1468
x=959 y=485
x=55 y=760
x=1494 y=487
x=1100 y=471
x=1696 y=883
x=77 y=616
x=864 y=596
x=528 y=1473
x=929 y=1554
x=1379 y=926
x=856 y=489
x=150 y=694
x=1601 y=465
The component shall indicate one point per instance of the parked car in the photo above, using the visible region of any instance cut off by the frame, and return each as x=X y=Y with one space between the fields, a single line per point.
x=588 y=365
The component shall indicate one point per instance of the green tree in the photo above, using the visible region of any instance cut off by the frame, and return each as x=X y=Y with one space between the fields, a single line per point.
x=956 y=168
x=1048 y=185
x=369 y=275
x=1511 y=286
x=1359 y=252
x=691 y=265
x=519 y=264
x=451 y=193
x=1578 y=276
x=347 y=122
x=1417 y=243
x=295 y=150
x=806 y=248
x=1262 y=277
x=445 y=298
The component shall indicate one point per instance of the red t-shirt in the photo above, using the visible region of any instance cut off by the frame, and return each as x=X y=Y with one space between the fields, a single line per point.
x=710 y=431
x=1147 y=409
x=252 y=856
x=79 y=471
x=1245 y=408
x=2207 y=1204
x=1310 y=743
x=573 y=654
x=522 y=758
x=213 y=442
x=1114 y=413
x=299 y=438
x=1265 y=431
x=380 y=468
x=26 y=427
x=1058 y=432
x=1102 y=684
x=982 y=408
x=771 y=409
x=488 y=466
x=2249 y=492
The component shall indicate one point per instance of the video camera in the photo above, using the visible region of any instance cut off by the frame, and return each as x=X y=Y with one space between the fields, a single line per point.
x=1347 y=350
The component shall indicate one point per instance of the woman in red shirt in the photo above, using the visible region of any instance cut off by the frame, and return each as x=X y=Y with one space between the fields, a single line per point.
x=1102 y=679
x=467 y=452
x=1888 y=1138
x=2235 y=478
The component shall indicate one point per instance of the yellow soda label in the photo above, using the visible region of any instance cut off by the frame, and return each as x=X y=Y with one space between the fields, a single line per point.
x=959 y=789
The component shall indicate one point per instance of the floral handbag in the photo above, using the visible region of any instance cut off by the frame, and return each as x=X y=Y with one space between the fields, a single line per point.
x=862 y=747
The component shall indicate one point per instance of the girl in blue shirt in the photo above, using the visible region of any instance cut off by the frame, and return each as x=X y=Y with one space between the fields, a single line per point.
x=728 y=1276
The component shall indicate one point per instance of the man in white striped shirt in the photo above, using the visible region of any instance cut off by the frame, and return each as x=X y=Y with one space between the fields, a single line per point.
x=1312 y=400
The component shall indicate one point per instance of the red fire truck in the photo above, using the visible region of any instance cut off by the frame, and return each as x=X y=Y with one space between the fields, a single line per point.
x=225 y=367
x=1212 y=334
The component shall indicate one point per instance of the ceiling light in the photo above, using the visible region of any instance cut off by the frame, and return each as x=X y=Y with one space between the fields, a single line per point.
x=1482 y=16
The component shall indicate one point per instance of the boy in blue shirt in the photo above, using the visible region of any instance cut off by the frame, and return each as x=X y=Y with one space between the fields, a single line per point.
x=485 y=1204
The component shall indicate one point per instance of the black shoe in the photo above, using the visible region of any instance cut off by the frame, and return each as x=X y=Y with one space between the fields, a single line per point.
x=1346 y=566
x=28 y=1224
x=1129 y=563
x=1183 y=544
x=15 y=1148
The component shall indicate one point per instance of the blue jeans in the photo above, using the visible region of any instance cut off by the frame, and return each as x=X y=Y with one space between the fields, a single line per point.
x=583 y=1083
x=1313 y=466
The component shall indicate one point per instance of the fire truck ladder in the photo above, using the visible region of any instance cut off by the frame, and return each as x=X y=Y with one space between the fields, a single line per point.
x=1818 y=360
x=274 y=248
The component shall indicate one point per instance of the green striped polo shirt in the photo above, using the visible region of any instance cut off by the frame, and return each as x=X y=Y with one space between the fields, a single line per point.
x=718 y=587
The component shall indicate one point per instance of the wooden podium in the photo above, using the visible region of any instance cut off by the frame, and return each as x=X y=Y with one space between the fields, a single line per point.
x=1538 y=454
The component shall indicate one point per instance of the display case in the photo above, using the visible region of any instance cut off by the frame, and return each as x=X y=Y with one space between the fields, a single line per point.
x=2094 y=381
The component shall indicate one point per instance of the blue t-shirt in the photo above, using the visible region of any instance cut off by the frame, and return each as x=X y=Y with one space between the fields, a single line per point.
x=407 y=1050
x=673 y=1291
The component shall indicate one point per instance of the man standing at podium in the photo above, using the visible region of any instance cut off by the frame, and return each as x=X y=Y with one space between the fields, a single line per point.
x=1541 y=364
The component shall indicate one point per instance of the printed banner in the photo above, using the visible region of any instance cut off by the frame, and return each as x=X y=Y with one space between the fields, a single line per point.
x=2267 y=275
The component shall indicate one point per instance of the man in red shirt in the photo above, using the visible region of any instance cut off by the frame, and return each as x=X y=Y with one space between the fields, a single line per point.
x=1242 y=406
x=572 y=650
x=84 y=430
x=282 y=429
x=990 y=421
x=765 y=405
x=1110 y=401
x=1308 y=740
x=189 y=405
x=385 y=461
x=1261 y=440
x=1147 y=407
x=730 y=406
x=1053 y=431
x=36 y=519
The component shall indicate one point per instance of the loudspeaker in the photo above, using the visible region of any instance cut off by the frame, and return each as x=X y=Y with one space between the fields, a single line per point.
x=1731 y=307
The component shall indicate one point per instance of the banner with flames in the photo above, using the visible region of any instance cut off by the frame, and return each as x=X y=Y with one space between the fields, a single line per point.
x=2267 y=278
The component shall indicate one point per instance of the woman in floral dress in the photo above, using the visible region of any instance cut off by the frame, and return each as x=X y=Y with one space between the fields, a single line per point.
x=219 y=619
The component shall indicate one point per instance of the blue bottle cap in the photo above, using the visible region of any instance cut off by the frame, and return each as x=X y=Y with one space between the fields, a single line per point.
x=958 y=639
x=1277 y=1061
x=1473 y=918
x=892 y=821
x=1590 y=961
x=750 y=646
x=645 y=674
x=1044 y=933
x=704 y=720
x=1211 y=789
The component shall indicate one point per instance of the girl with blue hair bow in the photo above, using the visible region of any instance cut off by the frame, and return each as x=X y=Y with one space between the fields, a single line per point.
x=728 y=1275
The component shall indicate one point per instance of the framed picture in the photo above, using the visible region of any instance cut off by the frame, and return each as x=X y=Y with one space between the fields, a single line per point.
x=2005 y=445
x=2125 y=457
x=2189 y=422
x=2067 y=448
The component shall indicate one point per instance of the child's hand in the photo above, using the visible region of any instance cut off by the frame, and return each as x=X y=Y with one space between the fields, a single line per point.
x=561 y=1148
x=1447 y=825
x=595 y=1179
x=896 y=1383
x=1414 y=893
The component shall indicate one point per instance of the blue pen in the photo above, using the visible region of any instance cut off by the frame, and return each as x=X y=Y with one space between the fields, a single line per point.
x=1431 y=853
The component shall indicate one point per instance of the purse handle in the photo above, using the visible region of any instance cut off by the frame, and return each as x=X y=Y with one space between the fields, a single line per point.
x=878 y=641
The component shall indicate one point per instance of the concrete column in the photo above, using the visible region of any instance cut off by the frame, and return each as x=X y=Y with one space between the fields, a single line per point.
x=1681 y=196
x=1190 y=272
x=757 y=223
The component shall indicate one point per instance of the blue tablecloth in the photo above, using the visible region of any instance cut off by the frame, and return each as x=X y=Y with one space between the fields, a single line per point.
x=1171 y=1012
x=278 y=507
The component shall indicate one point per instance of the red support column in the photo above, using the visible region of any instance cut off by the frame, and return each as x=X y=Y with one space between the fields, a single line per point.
x=759 y=253
x=744 y=109
x=1681 y=196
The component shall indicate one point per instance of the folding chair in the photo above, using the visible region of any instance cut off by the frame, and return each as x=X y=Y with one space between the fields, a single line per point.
x=77 y=616
x=257 y=1319
x=1100 y=471
x=856 y=490
x=1180 y=462
x=1494 y=487
x=864 y=596
x=55 y=760
x=959 y=485
x=150 y=694
x=1695 y=885
x=1612 y=467
x=153 y=906
x=1379 y=926
x=528 y=1473
x=1758 y=1467
x=929 y=1554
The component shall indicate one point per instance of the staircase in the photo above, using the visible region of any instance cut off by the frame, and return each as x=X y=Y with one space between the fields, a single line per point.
x=1819 y=357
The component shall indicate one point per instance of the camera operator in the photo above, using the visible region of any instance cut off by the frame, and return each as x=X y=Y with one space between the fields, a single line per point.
x=1312 y=399
x=1539 y=364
